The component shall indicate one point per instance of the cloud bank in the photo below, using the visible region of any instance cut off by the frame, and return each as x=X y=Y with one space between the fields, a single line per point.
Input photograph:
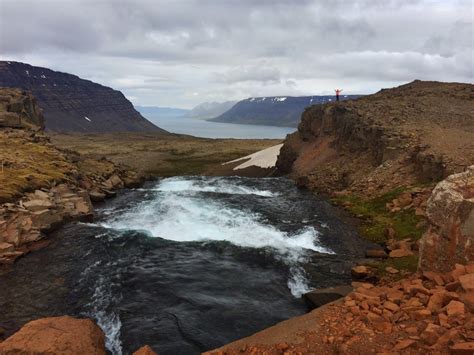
x=183 y=52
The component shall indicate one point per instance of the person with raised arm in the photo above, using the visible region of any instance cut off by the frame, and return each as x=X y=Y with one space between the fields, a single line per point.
x=338 y=91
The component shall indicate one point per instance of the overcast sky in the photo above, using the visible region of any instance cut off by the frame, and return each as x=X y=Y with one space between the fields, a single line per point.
x=182 y=53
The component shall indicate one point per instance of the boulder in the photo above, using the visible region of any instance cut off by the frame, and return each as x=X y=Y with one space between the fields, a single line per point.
x=376 y=253
x=320 y=297
x=465 y=348
x=144 y=350
x=450 y=236
x=96 y=196
x=400 y=253
x=56 y=335
x=38 y=204
x=360 y=272
x=467 y=282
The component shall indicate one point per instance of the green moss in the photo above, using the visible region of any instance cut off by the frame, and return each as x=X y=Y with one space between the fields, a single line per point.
x=407 y=264
x=376 y=217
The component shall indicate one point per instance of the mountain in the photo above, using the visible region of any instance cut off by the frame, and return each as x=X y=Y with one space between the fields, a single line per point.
x=157 y=112
x=208 y=110
x=273 y=111
x=72 y=104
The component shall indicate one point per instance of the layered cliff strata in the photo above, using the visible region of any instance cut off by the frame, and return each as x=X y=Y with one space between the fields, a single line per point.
x=421 y=131
x=72 y=104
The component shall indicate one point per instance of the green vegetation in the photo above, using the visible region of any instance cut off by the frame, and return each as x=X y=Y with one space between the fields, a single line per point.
x=376 y=217
x=27 y=165
x=157 y=155
x=407 y=264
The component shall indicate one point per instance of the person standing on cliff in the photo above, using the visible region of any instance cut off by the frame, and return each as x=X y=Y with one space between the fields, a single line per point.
x=338 y=91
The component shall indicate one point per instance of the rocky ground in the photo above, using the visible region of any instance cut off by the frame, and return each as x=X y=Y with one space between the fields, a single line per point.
x=428 y=313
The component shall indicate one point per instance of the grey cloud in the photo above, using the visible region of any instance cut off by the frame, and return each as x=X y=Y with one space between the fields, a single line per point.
x=180 y=53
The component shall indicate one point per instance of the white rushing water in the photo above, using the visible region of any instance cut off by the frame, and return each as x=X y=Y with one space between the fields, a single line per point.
x=182 y=212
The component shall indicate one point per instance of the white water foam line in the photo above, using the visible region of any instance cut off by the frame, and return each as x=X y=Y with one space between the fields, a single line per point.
x=265 y=158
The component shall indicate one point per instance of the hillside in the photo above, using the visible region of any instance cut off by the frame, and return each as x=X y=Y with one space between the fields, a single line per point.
x=72 y=104
x=418 y=132
x=272 y=111
x=208 y=110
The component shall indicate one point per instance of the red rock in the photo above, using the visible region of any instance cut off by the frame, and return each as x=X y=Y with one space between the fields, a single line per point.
x=466 y=348
x=391 y=270
x=400 y=253
x=282 y=346
x=437 y=301
x=443 y=320
x=453 y=286
x=391 y=306
x=145 y=350
x=431 y=333
x=434 y=276
x=360 y=271
x=458 y=271
x=56 y=335
x=468 y=300
x=470 y=268
x=455 y=308
x=421 y=314
x=403 y=344
x=467 y=282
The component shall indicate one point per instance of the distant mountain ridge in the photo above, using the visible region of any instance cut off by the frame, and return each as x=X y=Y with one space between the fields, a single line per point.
x=208 y=110
x=72 y=104
x=274 y=110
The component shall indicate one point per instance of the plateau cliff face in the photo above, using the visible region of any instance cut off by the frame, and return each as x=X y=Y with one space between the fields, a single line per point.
x=421 y=131
x=72 y=104
x=273 y=111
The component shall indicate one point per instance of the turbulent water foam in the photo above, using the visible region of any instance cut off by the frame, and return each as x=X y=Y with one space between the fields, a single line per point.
x=190 y=185
x=181 y=212
x=98 y=308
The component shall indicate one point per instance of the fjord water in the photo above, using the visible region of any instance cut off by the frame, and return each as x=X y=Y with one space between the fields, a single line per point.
x=207 y=129
x=186 y=264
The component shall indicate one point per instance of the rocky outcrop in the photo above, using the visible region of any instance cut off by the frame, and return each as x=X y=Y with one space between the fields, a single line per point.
x=450 y=211
x=421 y=131
x=26 y=221
x=19 y=109
x=72 y=104
x=57 y=335
x=41 y=186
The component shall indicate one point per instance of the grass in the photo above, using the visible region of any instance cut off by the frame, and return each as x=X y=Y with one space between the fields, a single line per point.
x=407 y=264
x=157 y=155
x=28 y=166
x=377 y=218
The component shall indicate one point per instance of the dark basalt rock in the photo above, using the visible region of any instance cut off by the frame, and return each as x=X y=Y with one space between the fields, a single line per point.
x=72 y=104
x=320 y=297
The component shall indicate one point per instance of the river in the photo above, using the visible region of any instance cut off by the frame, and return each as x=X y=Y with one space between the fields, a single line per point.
x=186 y=264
